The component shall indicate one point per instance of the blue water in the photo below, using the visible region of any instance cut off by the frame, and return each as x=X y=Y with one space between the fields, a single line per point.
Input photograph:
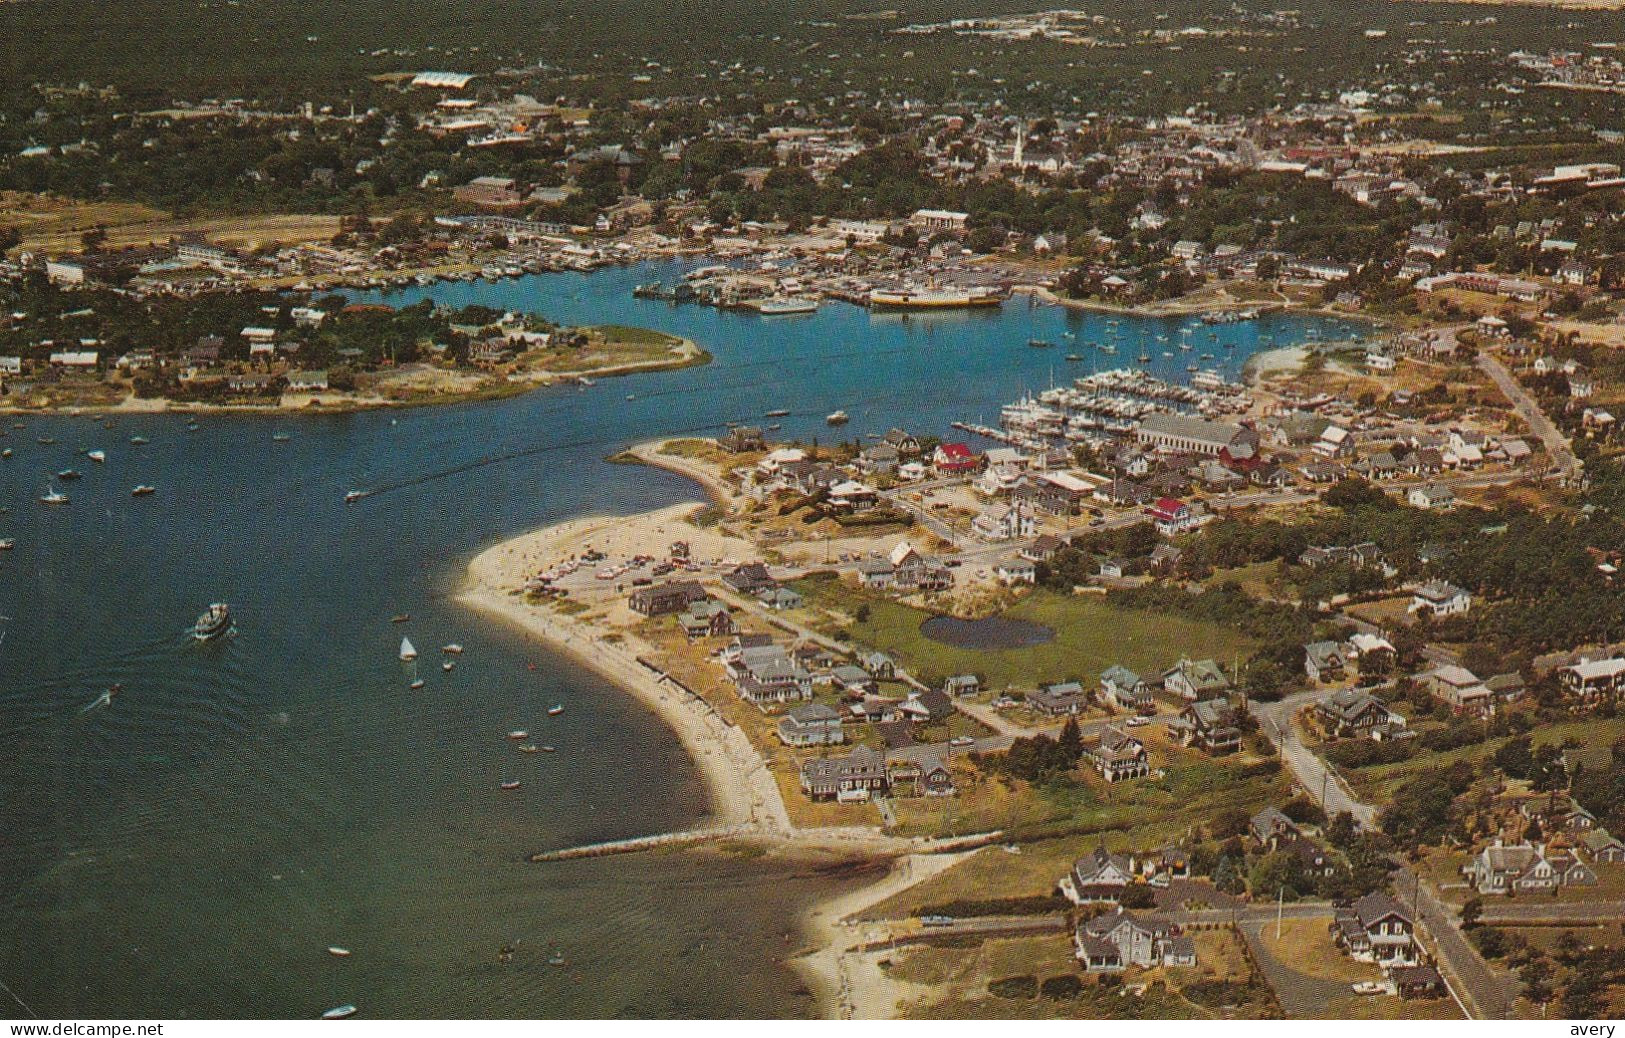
x=192 y=849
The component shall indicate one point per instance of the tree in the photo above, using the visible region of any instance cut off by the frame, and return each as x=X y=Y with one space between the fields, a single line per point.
x=1138 y=896
x=1471 y=910
x=1071 y=741
x=1515 y=758
x=862 y=615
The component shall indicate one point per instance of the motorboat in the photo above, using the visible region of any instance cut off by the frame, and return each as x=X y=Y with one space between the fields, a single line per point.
x=518 y=735
x=212 y=622
x=98 y=456
x=69 y=474
x=838 y=418
x=339 y=1012
x=354 y=495
x=337 y=952
x=452 y=650
x=510 y=786
x=143 y=490
x=53 y=496
x=554 y=711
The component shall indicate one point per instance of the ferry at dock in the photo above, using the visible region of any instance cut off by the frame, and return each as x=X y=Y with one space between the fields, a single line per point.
x=933 y=298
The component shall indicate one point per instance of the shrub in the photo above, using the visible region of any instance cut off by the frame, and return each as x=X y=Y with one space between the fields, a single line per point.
x=1023 y=986
x=1065 y=986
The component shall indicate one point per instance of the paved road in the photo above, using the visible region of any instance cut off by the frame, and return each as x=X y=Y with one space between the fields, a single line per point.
x=1557 y=445
x=1317 y=778
x=1473 y=982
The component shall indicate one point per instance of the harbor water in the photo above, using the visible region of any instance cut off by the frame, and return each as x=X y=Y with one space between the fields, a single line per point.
x=193 y=847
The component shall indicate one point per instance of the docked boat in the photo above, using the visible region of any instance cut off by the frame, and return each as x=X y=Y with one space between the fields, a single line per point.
x=932 y=298
x=53 y=496
x=554 y=711
x=213 y=622
x=143 y=490
x=838 y=418
x=97 y=456
x=1074 y=356
x=789 y=305
x=407 y=651
x=1040 y=344
x=339 y=1012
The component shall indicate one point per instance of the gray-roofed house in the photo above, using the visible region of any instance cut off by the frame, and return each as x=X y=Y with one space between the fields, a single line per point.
x=1196 y=679
x=1347 y=713
x=853 y=778
x=811 y=724
x=1059 y=699
x=1207 y=725
x=1325 y=661
x=1116 y=755
x=1125 y=688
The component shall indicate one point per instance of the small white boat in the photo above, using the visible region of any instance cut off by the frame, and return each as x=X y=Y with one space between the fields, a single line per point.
x=837 y=418
x=96 y=456
x=53 y=496
x=510 y=786
x=554 y=711
x=143 y=490
x=416 y=684
x=354 y=495
x=452 y=650
x=7 y=543
x=136 y=441
x=280 y=437
x=448 y=665
x=407 y=651
x=5 y=453
x=518 y=735
x=337 y=952
x=339 y=1012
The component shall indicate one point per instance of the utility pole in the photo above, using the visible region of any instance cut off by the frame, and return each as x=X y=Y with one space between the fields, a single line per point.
x=1280 y=909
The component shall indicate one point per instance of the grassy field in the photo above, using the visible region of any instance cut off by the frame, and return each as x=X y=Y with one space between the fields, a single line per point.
x=54 y=225
x=1090 y=635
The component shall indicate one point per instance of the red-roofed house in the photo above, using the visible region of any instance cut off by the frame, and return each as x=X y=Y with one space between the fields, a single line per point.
x=955 y=458
x=1171 y=516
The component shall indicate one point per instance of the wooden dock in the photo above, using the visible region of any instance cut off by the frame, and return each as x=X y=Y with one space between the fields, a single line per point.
x=632 y=845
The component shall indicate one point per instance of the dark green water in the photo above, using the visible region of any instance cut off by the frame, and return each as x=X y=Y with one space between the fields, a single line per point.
x=192 y=849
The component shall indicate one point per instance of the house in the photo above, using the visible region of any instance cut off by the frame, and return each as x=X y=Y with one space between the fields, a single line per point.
x=1603 y=847
x=854 y=680
x=749 y=579
x=767 y=674
x=856 y=777
x=1116 y=755
x=1522 y=868
x=1441 y=597
x=811 y=724
x=1373 y=652
x=1208 y=725
x=1099 y=876
x=954 y=459
x=708 y=618
x=1432 y=496
x=1117 y=940
x=1376 y=928
x=1196 y=679
x=1060 y=699
x=926 y=707
x=1351 y=714
x=743 y=438
x=913 y=771
x=1176 y=432
x=1172 y=516
x=906 y=444
x=670 y=597
x=1043 y=549
x=1312 y=858
x=1270 y=826
x=1164 y=559
x=1594 y=679
x=1016 y=570
x=962 y=685
x=1460 y=688
x=779 y=599
x=1125 y=688
x=1004 y=522
x=880 y=666
x=1325 y=661
x=879 y=459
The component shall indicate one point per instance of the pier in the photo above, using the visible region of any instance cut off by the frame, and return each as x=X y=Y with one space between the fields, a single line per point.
x=632 y=845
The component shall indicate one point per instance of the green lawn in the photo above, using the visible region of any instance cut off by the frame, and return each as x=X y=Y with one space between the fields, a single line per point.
x=1090 y=636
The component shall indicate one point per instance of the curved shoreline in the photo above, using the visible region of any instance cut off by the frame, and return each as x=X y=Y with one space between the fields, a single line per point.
x=741 y=790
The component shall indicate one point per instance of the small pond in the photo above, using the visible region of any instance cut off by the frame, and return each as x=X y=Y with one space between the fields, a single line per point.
x=993 y=632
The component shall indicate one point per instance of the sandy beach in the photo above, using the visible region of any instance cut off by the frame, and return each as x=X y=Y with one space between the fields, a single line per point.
x=742 y=791
x=847 y=979
x=744 y=795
